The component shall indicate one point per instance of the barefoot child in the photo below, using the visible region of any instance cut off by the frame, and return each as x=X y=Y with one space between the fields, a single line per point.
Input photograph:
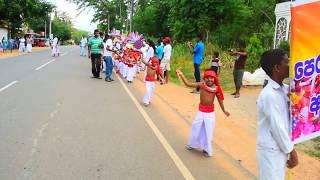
x=215 y=63
x=204 y=122
x=153 y=69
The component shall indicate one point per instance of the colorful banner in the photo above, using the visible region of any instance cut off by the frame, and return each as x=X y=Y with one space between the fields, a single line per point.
x=305 y=70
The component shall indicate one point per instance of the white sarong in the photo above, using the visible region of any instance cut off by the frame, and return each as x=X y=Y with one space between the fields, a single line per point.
x=29 y=48
x=272 y=164
x=202 y=131
x=22 y=47
x=150 y=85
x=131 y=73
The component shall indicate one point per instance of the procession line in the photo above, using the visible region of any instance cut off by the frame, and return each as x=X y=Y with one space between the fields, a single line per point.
x=7 y=86
x=40 y=67
x=173 y=155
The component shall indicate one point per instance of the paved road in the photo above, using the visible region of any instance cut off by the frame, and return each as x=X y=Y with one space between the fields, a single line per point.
x=58 y=123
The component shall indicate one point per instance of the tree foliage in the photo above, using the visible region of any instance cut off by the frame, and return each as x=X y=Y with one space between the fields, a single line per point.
x=226 y=21
x=62 y=28
x=15 y=13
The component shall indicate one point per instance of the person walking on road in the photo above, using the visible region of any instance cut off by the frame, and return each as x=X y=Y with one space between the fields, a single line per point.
x=55 y=48
x=4 y=44
x=198 y=54
x=83 y=45
x=22 y=45
x=29 y=44
x=95 y=47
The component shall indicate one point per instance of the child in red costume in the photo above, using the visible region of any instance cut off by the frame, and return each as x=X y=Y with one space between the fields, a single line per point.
x=153 y=69
x=204 y=122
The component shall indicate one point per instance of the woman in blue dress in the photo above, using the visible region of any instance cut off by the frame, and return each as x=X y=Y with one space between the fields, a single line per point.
x=4 y=44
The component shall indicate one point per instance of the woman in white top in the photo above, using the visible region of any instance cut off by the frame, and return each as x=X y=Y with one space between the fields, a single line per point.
x=22 y=45
x=29 y=44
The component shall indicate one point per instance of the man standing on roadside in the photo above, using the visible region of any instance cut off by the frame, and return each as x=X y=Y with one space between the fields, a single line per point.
x=165 y=62
x=95 y=47
x=198 y=54
x=238 y=69
x=275 y=150
x=107 y=57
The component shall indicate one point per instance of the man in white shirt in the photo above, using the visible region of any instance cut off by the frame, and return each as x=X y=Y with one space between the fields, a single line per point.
x=275 y=150
x=165 y=62
x=107 y=57
x=83 y=45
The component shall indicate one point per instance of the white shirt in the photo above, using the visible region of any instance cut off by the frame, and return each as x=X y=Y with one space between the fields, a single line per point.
x=55 y=41
x=144 y=52
x=106 y=52
x=273 y=119
x=83 y=42
x=22 y=40
x=150 y=53
x=167 y=52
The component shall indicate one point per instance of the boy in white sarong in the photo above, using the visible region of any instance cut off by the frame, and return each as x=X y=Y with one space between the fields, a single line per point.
x=152 y=70
x=204 y=122
x=131 y=69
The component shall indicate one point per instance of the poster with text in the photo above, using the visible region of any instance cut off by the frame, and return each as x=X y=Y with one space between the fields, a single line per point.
x=305 y=70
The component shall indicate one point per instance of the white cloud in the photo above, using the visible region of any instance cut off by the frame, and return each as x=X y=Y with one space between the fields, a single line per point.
x=82 y=21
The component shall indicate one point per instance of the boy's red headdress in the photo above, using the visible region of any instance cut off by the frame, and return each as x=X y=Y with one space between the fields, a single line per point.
x=211 y=73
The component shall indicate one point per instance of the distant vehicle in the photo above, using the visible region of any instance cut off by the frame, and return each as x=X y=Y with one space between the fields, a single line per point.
x=41 y=42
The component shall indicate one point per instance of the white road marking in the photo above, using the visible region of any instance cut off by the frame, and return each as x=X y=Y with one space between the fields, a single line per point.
x=40 y=67
x=7 y=86
x=178 y=162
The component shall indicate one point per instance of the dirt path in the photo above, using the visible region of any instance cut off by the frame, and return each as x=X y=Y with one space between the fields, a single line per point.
x=236 y=135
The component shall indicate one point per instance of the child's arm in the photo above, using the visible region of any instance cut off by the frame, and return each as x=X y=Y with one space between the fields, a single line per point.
x=144 y=62
x=185 y=81
x=222 y=106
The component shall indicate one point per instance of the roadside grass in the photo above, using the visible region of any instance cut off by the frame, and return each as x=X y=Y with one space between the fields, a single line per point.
x=182 y=58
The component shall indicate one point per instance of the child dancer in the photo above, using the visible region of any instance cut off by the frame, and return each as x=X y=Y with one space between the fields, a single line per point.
x=215 y=63
x=204 y=122
x=152 y=70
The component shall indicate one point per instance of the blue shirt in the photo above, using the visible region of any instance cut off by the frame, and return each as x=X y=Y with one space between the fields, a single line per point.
x=159 y=52
x=198 y=53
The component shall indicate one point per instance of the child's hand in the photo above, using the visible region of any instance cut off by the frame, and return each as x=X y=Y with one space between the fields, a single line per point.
x=179 y=73
x=227 y=113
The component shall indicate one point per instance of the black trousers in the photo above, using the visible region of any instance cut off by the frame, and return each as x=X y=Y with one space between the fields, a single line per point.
x=96 y=64
x=197 y=75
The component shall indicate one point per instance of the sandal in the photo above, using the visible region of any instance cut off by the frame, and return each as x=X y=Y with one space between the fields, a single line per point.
x=237 y=96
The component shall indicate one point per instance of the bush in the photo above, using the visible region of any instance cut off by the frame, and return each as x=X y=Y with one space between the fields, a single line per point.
x=255 y=51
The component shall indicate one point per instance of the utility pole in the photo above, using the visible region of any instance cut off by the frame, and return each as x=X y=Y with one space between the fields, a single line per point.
x=108 y=22
x=45 y=29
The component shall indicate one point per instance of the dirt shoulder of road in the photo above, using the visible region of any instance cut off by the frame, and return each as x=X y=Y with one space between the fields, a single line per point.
x=236 y=135
x=16 y=52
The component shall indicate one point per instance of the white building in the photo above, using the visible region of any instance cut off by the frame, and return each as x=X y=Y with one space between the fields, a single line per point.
x=283 y=22
x=3 y=33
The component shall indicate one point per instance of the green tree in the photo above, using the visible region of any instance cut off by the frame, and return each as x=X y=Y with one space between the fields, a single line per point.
x=255 y=51
x=78 y=34
x=15 y=13
x=61 y=29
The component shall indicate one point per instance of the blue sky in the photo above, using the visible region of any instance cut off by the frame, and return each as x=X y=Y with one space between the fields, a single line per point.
x=83 y=21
